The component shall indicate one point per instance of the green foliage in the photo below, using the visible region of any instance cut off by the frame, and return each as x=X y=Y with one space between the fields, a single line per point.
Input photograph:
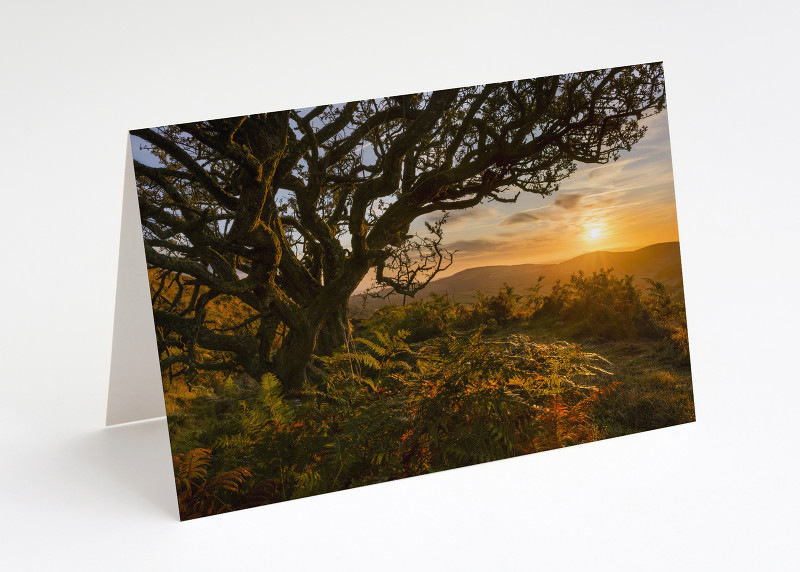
x=501 y=307
x=473 y=400
x=601 y=305
x=273 y=407
x=200 y=495
x=422 y=319
x=392 y=410
x=670 y=314
x=421 y=389
x=437 y=314
x=649 y=400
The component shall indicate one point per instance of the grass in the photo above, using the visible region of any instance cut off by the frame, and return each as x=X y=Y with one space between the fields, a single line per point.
x=656 y=392
x=655 y=376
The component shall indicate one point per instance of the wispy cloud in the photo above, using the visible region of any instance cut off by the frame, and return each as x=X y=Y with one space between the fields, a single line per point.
x=478 y=245
x=521 y=218
x=568 y=201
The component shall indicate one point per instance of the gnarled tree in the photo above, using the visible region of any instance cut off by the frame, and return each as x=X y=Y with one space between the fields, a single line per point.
x=287 y=212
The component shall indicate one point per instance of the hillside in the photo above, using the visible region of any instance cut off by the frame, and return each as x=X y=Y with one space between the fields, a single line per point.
x=660 y=262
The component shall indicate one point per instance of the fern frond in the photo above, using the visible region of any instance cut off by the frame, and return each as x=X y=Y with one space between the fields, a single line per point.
x=191 y=468
x=366 y=360
x=230 y=480
x=272 y=399
x=377 y=349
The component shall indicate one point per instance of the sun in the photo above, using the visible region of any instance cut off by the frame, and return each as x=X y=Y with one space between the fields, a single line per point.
x=595 y=231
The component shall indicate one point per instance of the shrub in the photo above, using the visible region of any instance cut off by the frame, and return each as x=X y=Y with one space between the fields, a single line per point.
x=601 y=305
x=389 y=410
x=437 y=314
x=671 y=317
x=472 y=400
x=466 y=400
x=501 y=307
x=422 y=319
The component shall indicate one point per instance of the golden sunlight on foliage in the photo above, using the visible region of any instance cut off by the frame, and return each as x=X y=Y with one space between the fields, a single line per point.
x=435 y=385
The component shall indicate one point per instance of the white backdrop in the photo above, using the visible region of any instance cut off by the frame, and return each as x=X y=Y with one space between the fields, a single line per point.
x=720 y=493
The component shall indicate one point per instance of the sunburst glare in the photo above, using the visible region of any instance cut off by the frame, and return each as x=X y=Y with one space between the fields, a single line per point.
x=595 y=232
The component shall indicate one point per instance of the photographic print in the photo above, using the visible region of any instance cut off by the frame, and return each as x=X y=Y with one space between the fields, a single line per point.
x=359 y=292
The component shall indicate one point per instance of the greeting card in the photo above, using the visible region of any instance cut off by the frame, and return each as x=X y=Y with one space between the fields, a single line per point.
x=358 y=292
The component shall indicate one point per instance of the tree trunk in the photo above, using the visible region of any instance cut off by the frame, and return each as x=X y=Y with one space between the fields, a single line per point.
x=293 y=359
x=334 y=333
x=323 y=329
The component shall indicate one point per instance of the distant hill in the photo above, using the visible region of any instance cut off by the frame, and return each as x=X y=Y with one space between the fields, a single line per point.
x=659 y=262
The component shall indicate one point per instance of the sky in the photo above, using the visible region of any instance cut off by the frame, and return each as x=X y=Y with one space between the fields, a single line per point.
x=623 y=205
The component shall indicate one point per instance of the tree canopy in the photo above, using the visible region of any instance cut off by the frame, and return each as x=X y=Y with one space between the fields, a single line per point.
x=285 y=213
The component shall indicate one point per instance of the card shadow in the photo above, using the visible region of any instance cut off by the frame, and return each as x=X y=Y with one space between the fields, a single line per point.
x=134 y=457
